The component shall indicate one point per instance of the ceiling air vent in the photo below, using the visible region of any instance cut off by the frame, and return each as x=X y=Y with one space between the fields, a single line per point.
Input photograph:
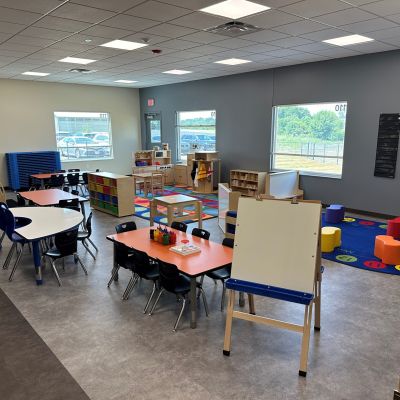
x=82 y=70
x=233 y=29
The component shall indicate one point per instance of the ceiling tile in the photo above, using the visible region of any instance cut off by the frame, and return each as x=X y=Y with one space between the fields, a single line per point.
x=17 y=16
x=325 y=34
x=265 y=36
x=369 y=26
x=169 y=30
x=70 y=47
x=312 y=47
x=151 y=40
x=284 y=52
x=344 y=17
x=129 y=22
x=336 y=51
x=178 y=44
x=386 y=33
x=233 y=43
x=158 y=11
x=81 y=13
x=270 y=19
x=372 y=47
x=34 y=31
x=106 y=32
x=191 y=4
x=199 y=20
x=7 y=27
x=28 y=40
x=290 y=42
x=61 y=24
x=4 y=36
x=38 y=6
x=301 y=27
x=18 y=47
x=204 y=37
x=111 y=5
x=313 y=8
x=259 y=48
x=395 y=18
x=383 y=8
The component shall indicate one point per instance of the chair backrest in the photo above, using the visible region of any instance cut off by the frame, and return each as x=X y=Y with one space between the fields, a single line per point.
x=85 y=178
x=7 y=221
x=3 y=207
x=67 y=242
x=89 y=224
x=201 y=233
x=73 y=179
x=20 y=201
x=228 y=242
x=69 y=203
x=73 y=170
x=75 y=192
x=126 y=227
x=3 y=196
x=11 y=203
x=60 y=171
x=142 y=262
x=66 y=189
x=57 y=180
x=169 y=275
x=180 y=226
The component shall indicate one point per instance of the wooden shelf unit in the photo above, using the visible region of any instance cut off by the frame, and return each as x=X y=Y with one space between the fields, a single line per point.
x=111 y=193
x=153 y=157
x=168 y=170
x=248 y=183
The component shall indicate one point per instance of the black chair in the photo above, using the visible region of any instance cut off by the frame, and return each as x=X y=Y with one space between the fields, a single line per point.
x=66 y=189
x=11 y=203
x=123 y=255
x=84 y=236
x=201 y=233
x=56 y=181
x=65 y=244
x=180 y=226
x=171 y=280
x=223 y=273
x=73 y=180
x=60 y=171
x=143 y=267
x=20 y=201
x=74 y=170
x=85 y=181
x=75 y=192
x=33 y=184
x=73 y=204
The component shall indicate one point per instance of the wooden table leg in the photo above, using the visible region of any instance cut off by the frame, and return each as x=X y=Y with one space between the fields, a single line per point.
x=193 y=303
x=170 y=210
x=153 y=211
x=134 y=185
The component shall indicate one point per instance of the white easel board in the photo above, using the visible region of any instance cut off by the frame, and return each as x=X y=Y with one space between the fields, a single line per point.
x=276 y=243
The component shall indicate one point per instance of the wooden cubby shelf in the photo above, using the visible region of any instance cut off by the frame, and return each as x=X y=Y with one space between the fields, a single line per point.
x=248 y=183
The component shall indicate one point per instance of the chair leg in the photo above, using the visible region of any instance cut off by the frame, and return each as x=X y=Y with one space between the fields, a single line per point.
x=91 y=242
x=87 y=248
x=180 y=314
x=114 y=273
x=155 y=303
x=131 y=284
x=81 y=263
x=16 y=263
x=150 y=298
x=2 y=237
x=203 y=295
x=223 y=295
x=201 y=285
x=53 y=266
x=9 y=256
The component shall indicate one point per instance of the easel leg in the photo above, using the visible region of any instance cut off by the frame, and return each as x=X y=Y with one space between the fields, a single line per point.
x=317 y=316
x=306 y=340
x=228 y=325
x=252 y=308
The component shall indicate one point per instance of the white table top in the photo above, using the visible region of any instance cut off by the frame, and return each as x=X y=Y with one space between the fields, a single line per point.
x=175 y=199
x=46 y=221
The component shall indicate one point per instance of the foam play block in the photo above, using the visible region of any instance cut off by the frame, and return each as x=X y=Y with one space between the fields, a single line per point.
x=330 y=238
x=334 y=213
x=387 y=249
x=393 y=228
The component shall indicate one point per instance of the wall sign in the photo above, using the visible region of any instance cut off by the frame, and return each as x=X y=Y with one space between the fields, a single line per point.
x=150 y=102
x=387 y=145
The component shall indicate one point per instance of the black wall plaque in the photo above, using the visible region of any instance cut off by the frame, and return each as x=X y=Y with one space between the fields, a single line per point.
x=387 y=145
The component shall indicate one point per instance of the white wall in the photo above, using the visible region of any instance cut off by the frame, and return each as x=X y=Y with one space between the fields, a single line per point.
x=27 y=121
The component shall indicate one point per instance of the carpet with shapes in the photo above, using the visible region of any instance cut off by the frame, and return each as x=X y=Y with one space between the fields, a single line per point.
x=209 y=201
x=358 y=242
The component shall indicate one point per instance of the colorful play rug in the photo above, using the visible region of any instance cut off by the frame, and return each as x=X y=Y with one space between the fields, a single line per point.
x=210 y=204
x=358 y=241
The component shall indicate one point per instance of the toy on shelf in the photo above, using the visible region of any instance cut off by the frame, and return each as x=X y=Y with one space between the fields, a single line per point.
x=163 y=236
x=393 y=228
x=334 y=213
x=330 y=238
x=387 y=249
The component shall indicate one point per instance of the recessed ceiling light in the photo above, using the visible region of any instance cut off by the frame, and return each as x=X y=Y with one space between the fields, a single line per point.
x=32 y=73
x=232 y=61
x=124 y=81
x=235 y=8
x=347 y=40
x=177 y=72
x=74 y=60
x=124 y=45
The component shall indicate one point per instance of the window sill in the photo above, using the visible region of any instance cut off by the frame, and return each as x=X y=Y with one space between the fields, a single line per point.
x=314 y=174
x=86 y=159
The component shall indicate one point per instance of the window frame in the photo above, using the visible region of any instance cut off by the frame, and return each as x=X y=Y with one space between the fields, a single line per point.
x=81 y=159
x=179 y=158
x=304 y=172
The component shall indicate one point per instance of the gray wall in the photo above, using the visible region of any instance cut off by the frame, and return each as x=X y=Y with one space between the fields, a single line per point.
x=370 y=84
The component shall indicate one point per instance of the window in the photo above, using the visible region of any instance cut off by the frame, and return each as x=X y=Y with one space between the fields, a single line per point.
x=155 y=131
x=83 y=135
x=195 y=132
x=309 y=138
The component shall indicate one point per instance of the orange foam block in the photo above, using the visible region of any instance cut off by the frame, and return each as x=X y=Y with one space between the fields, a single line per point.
x=387 y=249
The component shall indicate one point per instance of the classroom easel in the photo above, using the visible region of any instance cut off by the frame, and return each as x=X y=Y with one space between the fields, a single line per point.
x=278 y=277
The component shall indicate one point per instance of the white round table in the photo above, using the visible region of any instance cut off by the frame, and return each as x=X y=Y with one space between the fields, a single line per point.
x=45 y=222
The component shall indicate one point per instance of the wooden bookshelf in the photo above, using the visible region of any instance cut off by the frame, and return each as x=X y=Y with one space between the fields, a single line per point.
x=111 y=193
x=153 y=157
x=248 y=183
